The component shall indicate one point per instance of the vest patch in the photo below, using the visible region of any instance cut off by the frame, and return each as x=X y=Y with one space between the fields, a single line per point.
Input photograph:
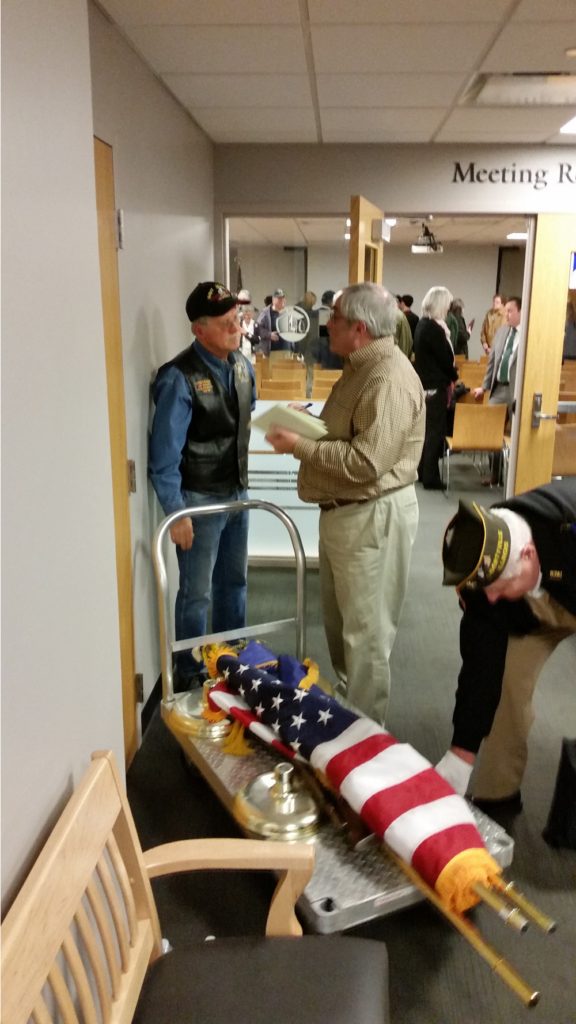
x=204 y=385
x=241 y=371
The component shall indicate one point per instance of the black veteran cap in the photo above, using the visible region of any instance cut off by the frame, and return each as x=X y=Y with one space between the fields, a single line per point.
x=476 y=546
x=210 y=299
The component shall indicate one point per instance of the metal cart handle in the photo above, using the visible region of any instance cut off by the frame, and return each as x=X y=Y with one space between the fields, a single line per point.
x=168 y=645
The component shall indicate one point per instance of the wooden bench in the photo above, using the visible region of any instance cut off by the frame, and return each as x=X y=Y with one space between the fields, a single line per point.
x=80 y=938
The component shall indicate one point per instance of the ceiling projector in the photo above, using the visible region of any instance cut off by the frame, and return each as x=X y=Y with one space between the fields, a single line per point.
x=426 y=243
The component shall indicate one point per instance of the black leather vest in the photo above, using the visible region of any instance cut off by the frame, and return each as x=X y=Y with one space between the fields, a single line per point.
x=215 y=456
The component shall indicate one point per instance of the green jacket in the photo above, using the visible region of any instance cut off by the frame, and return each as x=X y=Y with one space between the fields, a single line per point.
x=403 y=335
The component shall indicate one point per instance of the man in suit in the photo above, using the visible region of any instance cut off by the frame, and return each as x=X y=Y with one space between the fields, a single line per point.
x=514 y=568
x=500 y=377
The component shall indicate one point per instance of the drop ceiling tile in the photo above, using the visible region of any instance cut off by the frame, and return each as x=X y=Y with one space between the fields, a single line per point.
x=416 y=11
x=210 y=50
x=271 y=124
x=382 y=119
x=386 y=49
x=240 y=90
x=198 y=12
x=394 y=90
x=532 y=46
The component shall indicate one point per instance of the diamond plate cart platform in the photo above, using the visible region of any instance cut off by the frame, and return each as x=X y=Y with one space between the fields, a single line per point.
x=350 y=885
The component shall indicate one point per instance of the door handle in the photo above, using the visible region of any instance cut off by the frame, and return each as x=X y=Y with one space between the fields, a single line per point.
x=537 y=413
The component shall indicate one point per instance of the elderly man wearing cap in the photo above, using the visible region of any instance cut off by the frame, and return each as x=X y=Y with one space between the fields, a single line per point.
x=362 y=477
x=198 y=456
x=515 y=570
x=270 y=340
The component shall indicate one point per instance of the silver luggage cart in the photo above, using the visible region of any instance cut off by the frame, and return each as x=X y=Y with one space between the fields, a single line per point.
x=349 y=885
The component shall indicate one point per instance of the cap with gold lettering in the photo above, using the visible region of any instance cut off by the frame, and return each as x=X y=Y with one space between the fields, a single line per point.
x=476 y=546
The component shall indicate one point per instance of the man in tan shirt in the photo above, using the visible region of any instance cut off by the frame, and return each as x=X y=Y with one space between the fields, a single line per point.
x=494 y=319
x=362 y=476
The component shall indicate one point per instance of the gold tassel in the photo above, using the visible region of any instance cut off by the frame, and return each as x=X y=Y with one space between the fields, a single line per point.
x=211 y=653
x=455 y=883
x=236 y=742
x=312 y=675
x=212 y=716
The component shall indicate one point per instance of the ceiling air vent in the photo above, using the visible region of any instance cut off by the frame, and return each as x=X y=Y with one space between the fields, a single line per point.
x=519 y=89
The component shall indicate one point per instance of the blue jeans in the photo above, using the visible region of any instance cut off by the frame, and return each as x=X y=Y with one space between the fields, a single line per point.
x=216 y=567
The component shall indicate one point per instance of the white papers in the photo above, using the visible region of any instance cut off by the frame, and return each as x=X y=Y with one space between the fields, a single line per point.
x=291 y=419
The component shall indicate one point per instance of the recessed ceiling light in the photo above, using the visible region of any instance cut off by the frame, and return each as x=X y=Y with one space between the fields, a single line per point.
x=347 y=236
x=569 y=128
x=348 y=222
x=571 y=51
x=519 y=236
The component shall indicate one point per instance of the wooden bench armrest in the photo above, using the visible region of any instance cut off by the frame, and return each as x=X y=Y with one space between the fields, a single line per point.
x=295 y=862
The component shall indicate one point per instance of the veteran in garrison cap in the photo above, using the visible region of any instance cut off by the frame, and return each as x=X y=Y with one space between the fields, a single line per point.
x=514 y=567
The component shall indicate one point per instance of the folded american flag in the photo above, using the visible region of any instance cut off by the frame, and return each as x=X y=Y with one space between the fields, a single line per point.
x=396 y=791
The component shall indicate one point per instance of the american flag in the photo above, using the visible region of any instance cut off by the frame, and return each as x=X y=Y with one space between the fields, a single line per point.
x=396 y=791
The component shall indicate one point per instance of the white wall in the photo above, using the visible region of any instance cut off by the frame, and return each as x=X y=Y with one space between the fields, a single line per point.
x=163 y=181
x=266 y=267
x=327 y=268
x=400 y=179
x=60 y=654
x=469 y=273
x=61 y=694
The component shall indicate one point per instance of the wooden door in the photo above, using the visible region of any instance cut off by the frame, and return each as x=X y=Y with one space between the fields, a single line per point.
x=554 y=242
x=365 y=257
x=106 y=206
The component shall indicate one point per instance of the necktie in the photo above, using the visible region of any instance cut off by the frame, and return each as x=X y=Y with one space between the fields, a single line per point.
x=503 y=376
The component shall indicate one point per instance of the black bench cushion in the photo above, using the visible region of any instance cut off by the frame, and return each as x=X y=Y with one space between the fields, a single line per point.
x=306 y=980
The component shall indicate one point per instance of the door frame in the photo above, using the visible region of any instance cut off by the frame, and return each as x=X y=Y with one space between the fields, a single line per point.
x=110 y=289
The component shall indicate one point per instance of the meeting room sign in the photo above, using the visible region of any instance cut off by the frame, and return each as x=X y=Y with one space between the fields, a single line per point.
x=513 y=174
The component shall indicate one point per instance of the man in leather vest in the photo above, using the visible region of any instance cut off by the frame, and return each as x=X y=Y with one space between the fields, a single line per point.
x=199 y=456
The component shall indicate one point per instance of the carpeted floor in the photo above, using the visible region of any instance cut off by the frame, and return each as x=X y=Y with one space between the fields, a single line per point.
x=435 y=976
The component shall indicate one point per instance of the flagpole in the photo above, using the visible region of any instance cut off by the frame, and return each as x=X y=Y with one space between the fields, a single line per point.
x=499 y=965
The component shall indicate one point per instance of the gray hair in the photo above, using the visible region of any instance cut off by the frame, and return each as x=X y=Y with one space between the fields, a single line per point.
x=436 y=302
x=373 y=305
x=520 y=536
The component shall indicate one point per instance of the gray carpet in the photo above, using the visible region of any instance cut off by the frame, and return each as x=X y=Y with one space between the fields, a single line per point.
x=435 y=977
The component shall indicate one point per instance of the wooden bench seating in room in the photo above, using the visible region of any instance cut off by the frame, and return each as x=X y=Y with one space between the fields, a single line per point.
x=326 y=376
x=283 y=390
x=320 y=392
x=477 y=428
x=82 y=944
x=286 y=373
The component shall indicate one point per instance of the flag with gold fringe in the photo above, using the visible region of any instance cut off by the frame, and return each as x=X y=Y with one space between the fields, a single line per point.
x=397 y=792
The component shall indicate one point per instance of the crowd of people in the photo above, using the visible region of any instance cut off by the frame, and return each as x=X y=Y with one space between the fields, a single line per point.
x=514 y=566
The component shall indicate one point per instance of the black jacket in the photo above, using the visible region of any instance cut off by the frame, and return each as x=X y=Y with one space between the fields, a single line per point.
x=433 y=355
x=550 y=512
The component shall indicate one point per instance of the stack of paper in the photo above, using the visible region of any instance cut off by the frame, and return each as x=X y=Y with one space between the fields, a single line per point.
x=291 y=419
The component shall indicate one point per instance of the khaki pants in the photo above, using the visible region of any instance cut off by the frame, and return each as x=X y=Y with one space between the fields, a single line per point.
x=364 y=555
x=502 y=758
